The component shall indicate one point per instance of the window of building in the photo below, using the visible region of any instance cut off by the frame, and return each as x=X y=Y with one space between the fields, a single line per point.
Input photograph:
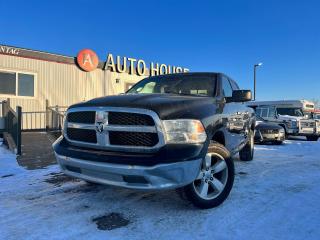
x=17 y=84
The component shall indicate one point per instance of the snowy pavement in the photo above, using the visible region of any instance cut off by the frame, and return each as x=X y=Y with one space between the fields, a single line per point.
x=276 y=196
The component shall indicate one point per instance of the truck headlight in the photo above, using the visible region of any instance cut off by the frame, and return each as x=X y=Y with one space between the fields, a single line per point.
x=184 y=131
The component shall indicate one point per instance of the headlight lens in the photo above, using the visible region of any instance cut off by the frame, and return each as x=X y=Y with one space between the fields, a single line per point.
x=184 y=131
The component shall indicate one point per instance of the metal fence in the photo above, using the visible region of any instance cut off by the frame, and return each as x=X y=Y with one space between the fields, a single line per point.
x=55 y=117
x=34 y=121
x=51 y=119
x=2 y=119
x=12 y=123
x=1 y=108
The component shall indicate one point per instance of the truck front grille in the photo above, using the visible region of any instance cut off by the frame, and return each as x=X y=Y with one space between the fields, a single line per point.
x=124 y=118
x=110 y=128
x=87 y=117
x=269 y=131
x=133 y=139
x=305 y=124
x=82 y=135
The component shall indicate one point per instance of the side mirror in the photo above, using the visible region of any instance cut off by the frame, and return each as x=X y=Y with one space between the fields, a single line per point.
x=241 y=96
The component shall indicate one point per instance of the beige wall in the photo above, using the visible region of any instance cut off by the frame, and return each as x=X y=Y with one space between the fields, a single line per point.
x=123 y=79
x=63 y=84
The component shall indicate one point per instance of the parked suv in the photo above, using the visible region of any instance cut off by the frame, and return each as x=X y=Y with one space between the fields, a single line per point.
x=266 y=132
x=288 y=115
x=170 y=131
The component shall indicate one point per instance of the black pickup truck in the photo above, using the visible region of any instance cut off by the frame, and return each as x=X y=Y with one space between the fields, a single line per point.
x=171 y=131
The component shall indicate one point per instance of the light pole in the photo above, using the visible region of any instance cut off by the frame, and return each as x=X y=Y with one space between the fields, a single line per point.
x=254 y=80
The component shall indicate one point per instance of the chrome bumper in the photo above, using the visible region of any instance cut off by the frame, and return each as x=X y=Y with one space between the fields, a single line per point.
x=162 y=176
x=266 y=137
x=273 y=136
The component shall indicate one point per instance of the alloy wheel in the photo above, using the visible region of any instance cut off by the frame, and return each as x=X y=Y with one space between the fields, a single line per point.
x=212 y=177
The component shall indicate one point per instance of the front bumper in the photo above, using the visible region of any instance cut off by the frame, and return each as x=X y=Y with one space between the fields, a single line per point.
x=269 y=137
x=169 y=153
x=308 y=132
x=292 y=131
x=161 y=176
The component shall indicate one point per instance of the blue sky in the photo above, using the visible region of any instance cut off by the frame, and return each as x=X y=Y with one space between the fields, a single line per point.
x=224 y=36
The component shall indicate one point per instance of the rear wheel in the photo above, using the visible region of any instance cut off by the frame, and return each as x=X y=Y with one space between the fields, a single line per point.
x=312 y=138
x=215 y=180
x=246 y=153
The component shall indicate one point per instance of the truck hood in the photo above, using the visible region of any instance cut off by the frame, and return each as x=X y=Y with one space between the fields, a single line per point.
x=167 y=106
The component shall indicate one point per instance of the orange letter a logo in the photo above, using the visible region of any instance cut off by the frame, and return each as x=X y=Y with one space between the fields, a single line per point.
x=87 y=59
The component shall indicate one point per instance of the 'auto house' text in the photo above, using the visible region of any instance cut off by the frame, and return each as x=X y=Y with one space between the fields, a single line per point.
x=138 y=66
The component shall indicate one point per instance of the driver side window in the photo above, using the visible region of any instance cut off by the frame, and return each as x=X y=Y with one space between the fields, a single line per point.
x=226 y=87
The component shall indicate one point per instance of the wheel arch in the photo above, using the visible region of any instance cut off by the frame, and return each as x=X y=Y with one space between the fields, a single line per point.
x=284 y=127
x=219 y=138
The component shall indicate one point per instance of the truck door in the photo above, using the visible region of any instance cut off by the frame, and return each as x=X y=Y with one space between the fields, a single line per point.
x=236 y=115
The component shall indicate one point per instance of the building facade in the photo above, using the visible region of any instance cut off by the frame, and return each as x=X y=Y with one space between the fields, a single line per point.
x=31 y=78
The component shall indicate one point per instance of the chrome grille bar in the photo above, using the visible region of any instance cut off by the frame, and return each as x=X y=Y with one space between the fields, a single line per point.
x=102 y=129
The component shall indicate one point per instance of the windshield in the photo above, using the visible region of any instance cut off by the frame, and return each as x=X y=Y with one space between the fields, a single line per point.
x=258 y=118
x=196 y=85
x=297 y=112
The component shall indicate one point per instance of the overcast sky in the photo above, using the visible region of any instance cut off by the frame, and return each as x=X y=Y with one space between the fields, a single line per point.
x=224 y=36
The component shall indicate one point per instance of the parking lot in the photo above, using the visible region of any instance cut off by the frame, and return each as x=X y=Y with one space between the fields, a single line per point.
x=276 y=196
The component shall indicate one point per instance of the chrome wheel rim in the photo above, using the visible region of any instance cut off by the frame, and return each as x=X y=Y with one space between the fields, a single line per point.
x=212 y=178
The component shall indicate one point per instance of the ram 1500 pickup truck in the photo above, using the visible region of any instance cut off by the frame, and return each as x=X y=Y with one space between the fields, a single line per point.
x=171 y=131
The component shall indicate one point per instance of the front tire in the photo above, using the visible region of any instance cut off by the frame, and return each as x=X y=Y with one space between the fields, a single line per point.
x=246 y=153
x=215 y=179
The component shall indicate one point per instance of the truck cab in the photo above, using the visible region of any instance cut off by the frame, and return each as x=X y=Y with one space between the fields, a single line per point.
x=170 y=131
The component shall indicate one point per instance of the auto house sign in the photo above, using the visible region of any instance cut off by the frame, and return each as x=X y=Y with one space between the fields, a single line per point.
x=88 y=61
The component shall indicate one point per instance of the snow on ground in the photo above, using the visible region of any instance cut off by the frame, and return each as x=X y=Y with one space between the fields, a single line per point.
x=276 y=196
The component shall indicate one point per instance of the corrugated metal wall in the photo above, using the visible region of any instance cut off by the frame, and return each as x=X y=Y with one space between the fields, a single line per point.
x=62 y=84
